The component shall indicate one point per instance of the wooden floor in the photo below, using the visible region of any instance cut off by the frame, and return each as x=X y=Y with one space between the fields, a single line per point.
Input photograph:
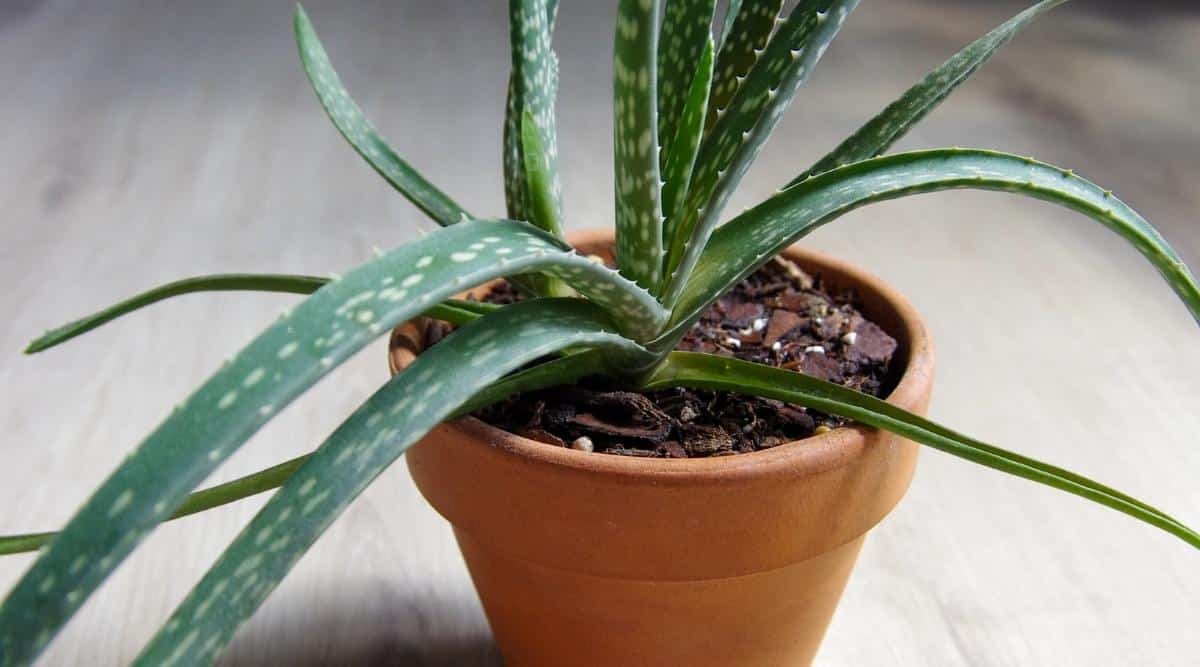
x=143 y=142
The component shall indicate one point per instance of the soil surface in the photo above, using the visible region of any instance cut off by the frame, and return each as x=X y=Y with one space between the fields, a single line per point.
x=778 y=316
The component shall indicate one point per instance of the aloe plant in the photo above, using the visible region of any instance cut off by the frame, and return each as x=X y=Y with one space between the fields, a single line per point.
x=690 y=113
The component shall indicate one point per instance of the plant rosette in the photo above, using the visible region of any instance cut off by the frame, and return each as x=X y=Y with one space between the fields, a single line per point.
x=694 y=99
x=623 y=559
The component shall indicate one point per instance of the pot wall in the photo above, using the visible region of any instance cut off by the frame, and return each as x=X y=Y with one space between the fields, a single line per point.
x=595 y=559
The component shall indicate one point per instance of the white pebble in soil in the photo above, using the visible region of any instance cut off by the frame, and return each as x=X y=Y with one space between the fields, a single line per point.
x=583 y=444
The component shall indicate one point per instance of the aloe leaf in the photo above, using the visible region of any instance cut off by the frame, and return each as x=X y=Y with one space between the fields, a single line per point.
x=454 y=311
x=740 y=133
x=748 y=241
x=413 y=402
x=460 y=311
x=363 y=136
x=206 y=499
x=686 y=33
x=541 y=204
x=292 y=284
x=677 y=175
x=705 y=371
x=280 y=364
x=532 y=88
x=731 y=11
x=635 y=142
x=563 y=370
x=894 y=121
x=748 y=27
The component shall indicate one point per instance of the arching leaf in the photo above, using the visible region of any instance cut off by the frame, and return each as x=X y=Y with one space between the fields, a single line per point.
x=752 y=238
x=363 y=136
x=280 y=364
x=413 y=402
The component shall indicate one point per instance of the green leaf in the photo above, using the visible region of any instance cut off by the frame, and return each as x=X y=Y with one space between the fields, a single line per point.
x=413 y=402
x=751 y=239
x=690 y=369
x=557 y=371
x=355 y=127
x=542 y=207
x=635 y=142
x=452 y=310
x=292 y=284
x=460 y=311
x=731 y=12
x=221 y=494
x=678 y=173
x=743 y=128
x=686 y=33
x=281 y=363
x=894 y=121
x=742 y=40
x=532 y=88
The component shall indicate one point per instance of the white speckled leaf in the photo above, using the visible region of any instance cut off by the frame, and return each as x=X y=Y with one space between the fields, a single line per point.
x=749 y=240
x=276 y=367
x=635 y=142
x=740 y=133
x=678 y=173
x=686 y=30
x=541 y=205
x=747 y=31
x=395 y=417
x=532 y=88
x=355 y=127
x=894 y=121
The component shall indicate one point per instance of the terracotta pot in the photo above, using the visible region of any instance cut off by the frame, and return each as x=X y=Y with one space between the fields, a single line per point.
x=595 y=559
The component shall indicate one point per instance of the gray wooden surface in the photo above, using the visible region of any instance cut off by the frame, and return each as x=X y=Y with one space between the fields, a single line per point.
x=143 y=142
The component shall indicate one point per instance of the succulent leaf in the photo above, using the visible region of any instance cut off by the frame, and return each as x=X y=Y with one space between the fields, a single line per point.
x=895 y=120
x=686 y=33
x=532 y=89
x=731 y=11
x=740 y=133
x=691 y=369
x=748 y=27
x=686 y=145
x=752 y=238
x=554 y=372
x=275 y=368
x=541 y=204
x=292 y=284
x=363 y=136
x=451 y=310
x=635 y=142
x=395 y=417
x=206 y=499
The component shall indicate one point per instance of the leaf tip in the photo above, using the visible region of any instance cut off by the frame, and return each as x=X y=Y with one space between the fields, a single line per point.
x=40 y=343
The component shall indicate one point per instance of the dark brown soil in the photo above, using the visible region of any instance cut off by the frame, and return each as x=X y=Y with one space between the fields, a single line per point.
x=778 y=316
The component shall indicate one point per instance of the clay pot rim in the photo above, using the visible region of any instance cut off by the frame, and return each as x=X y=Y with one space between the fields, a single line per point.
x=797 y=458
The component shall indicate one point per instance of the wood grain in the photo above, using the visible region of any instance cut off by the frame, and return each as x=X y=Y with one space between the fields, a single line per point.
x=144 y=142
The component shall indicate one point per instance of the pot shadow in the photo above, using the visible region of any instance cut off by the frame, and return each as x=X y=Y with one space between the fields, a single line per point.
x=366 y=625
